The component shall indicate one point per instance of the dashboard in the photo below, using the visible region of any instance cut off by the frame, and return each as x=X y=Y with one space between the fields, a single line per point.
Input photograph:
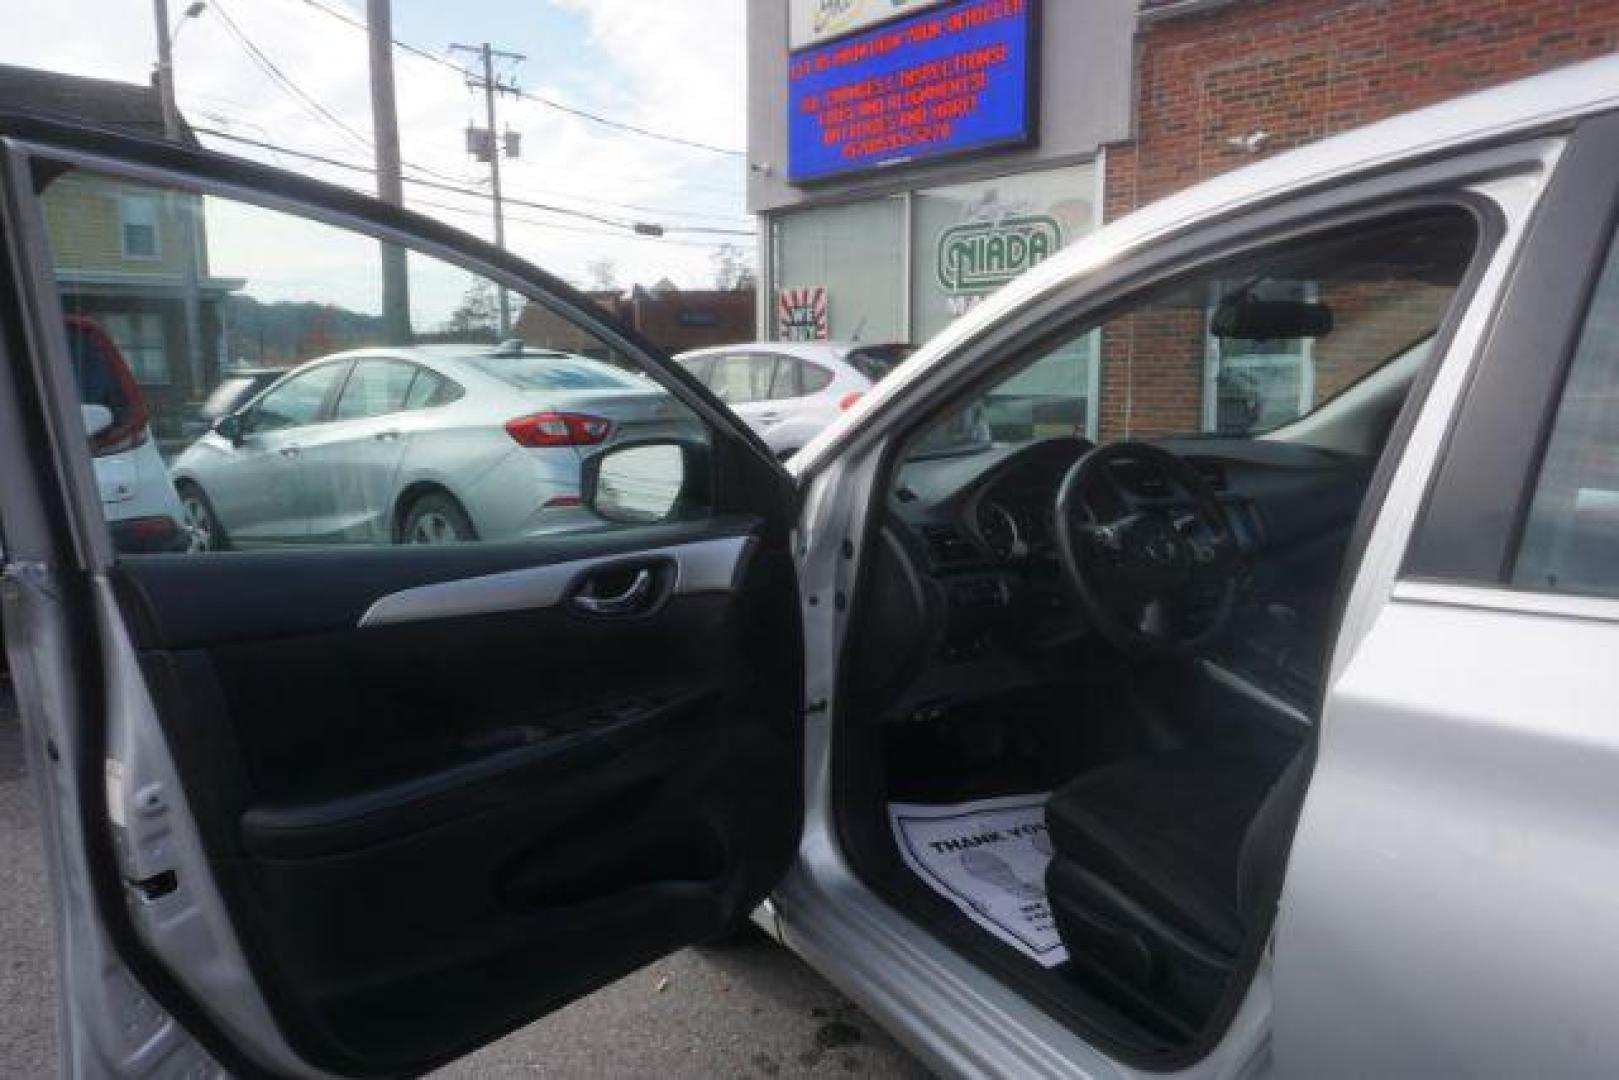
x=968 y=575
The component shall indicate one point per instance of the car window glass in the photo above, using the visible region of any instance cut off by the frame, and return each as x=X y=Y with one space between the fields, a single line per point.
x=815 y=377
x=297 y=401
x=375 y=388
x=743 y=377
x=701 y=368
x=426 y=390
x=784 y=382
x=1571 y=538
x=227 y=396
x=1243 y=349
x=228 y=297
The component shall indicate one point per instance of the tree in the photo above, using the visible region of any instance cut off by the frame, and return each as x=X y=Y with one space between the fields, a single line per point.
x=733 y=269
x=603 y=275
x=479 y=312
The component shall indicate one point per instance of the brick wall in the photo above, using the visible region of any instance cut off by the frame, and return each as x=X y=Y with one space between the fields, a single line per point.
x=1301 y=70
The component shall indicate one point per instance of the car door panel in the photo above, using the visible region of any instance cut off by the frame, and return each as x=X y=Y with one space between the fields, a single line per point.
x=426 y=794
x=468 y=757
x=259 y=502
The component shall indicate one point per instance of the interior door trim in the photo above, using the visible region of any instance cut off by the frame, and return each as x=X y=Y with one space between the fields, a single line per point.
x=703 y=566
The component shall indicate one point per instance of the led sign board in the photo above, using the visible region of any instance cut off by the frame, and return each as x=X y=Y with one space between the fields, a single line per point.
x=811 y=22
x=950 y=80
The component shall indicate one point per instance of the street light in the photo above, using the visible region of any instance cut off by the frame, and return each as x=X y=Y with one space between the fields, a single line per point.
x=197 y=8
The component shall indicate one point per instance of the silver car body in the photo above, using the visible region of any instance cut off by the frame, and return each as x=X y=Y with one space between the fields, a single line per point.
x=298 y=484
x=788 y=421
x=1448 y=902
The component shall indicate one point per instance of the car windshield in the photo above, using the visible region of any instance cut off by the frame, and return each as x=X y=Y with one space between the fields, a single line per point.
x=227 y=395
x=876 y=361
x=555 y=371
x=1237 y=351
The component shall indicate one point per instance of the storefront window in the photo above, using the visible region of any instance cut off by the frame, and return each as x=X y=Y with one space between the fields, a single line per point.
x=840 y=272
x=970 y=239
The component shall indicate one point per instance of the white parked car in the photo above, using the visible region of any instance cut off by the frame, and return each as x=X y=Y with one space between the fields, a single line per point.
x=789 y=392
x=142 y=509
x=426 y=445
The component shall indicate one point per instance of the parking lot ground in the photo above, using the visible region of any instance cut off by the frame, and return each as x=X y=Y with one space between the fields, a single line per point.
x=746 y=1010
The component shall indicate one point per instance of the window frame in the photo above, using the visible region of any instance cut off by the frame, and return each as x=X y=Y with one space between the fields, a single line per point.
x=1470 y=525
x=127 y=199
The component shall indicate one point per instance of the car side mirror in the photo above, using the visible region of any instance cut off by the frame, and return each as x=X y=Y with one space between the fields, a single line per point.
x=231 y=426
x=641 y=483
x=97 y=418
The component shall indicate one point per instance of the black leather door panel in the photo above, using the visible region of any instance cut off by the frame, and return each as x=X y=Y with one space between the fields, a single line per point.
x=432 y=827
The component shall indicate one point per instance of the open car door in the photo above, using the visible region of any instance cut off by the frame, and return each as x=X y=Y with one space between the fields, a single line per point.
x=359 y=806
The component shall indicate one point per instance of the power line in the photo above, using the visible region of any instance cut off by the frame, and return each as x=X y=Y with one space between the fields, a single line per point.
x=452 y=188
x=307 y=100
x=550 y=103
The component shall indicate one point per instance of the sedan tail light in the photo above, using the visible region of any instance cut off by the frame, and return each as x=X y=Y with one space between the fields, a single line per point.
x=846 y=402
x=558 y=429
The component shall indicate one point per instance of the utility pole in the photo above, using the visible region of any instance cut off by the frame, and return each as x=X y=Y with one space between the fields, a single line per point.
x=390 y=184
x=184 y=210
x=490 y=87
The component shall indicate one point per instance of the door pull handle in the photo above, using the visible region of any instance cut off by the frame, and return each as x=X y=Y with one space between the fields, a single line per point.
x=632 y=600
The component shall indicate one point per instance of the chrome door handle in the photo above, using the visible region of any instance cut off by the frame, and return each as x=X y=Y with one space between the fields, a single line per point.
x=628 y=602
x=289 y=451
x=390 y=435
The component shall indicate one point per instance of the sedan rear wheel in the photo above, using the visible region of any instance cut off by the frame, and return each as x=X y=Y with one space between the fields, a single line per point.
x=436 y=519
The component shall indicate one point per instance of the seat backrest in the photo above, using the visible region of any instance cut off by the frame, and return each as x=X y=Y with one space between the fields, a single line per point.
x=1270 y=834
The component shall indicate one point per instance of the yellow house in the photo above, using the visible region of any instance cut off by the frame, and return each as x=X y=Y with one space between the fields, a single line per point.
x=132 y=258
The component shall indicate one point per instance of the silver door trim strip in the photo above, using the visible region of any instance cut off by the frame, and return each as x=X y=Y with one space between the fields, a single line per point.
x=703 y=566
x=1514 y=601
x=1237 y=684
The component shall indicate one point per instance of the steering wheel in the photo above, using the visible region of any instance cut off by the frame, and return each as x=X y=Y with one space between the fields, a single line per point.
x=1153 y=573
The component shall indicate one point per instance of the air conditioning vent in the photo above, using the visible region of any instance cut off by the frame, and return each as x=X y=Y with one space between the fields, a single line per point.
x=947 y=546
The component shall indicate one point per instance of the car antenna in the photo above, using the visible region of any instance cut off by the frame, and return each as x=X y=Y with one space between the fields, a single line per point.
x=510 y=347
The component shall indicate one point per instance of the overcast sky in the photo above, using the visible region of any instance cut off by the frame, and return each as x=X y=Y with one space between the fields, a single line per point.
x=673 y=66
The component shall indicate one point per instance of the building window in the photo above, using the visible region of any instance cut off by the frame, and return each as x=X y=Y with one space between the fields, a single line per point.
x=137 y=224
x=856 y=252
x=140 y=337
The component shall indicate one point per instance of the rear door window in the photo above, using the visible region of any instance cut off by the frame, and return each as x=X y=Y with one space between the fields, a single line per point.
x=376 y=388
x=743 y=377
x=786 y=382
x=1571 y=538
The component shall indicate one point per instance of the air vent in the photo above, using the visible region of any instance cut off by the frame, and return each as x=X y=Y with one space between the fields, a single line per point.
x=947 y=546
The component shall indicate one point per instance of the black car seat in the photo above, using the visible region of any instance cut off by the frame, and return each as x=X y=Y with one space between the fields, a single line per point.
x=1161 y=866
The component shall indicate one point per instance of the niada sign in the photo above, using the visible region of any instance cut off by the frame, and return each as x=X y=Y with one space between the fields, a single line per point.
x=980 y=256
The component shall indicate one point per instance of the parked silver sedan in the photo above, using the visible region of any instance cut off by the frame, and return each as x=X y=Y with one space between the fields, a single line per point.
x=423 y=445
x=789 y=392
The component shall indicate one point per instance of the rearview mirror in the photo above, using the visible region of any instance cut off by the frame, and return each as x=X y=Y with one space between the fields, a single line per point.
x=231 y=426
x=97 y=418
x=1241 y=316
x=645 y=482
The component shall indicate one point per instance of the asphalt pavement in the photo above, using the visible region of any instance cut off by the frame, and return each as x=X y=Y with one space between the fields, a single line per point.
x=745 y=1010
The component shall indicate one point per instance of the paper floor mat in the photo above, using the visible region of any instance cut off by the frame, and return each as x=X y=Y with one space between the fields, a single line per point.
x=989 y=858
